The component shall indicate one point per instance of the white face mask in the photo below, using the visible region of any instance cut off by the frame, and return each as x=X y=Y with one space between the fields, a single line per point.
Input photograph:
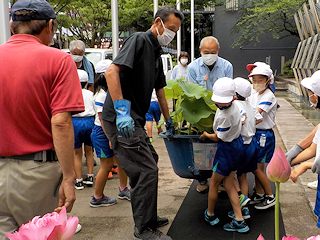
x=77 y=58
x=166 y=36
x=184 y=61
x=209 y=59
x=259 y=87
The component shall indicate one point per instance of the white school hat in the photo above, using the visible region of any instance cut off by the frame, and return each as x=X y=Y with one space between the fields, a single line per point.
x=315 y=83
x=306 y=82
x=262 y=70
x=223 y=90
x=83 y=75
x=256 y=64
x=103 y=65
x=243 y=87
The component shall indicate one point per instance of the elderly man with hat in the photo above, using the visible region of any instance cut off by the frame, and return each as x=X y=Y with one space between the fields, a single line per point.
x=36 y=152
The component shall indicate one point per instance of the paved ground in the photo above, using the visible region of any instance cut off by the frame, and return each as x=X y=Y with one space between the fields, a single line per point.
x=116 y=222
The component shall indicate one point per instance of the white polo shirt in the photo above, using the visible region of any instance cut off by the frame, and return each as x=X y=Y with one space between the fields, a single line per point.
x=227 y=123
x=247 y=114
x=99 y=99
x=88 y=103
x=268 y=103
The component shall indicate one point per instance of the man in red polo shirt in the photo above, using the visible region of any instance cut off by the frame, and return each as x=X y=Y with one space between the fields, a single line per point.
x=39 y=92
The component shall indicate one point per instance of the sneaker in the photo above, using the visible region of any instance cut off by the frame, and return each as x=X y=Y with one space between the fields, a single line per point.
x=78 y=229
x=202 y=186
x=150 y=234
x=245 y=213
x=244 y=200
x=313 y=185
x=105 y=201
x=79 y=185
x=124 y=194
x=162 y=221
x=266 y=203
x=213 y=220
x=255 y=198
x=235 y=226
x=110 y=175
x=88 y=181
x=114 y=170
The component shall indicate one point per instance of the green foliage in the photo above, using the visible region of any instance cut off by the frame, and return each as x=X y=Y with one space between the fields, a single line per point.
x=257 y=17
x=193 y=104
x=287 y=70
x=87 y=20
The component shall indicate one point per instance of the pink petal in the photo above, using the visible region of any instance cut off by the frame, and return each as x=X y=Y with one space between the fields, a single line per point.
x=290 y=238
x=278 y=170
x=314 y=238
x=63 y=217
x=260 y=237
x=56 y=233
x=14 y=236
x=70 y=229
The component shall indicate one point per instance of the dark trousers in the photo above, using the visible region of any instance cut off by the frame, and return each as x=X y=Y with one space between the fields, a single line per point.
x=139 y=160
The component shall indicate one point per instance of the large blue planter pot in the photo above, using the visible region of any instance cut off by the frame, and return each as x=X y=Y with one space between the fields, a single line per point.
x=181 y=153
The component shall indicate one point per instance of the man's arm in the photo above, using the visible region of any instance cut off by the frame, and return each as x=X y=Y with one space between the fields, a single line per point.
x=113 y=80
x=63 y=140
x=192 y=76
x=163 y=103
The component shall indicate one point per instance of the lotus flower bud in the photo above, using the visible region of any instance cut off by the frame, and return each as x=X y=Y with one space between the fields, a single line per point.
x=278 y=170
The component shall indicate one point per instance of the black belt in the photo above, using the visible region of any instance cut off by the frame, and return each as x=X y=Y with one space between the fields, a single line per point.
x=258 y=129
x=43 y=156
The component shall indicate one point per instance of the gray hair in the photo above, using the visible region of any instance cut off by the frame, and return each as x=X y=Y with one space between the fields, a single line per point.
x=209 y=39
x=77 y=44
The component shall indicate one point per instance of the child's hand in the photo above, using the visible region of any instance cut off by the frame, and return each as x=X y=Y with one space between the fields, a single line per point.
x=203 y=135
x=295 y=173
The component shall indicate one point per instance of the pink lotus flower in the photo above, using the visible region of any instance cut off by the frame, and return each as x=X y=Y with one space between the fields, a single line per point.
x=52 y=226
x=206 y=77
x=260 y=237
x=314 y=238
x=290 y=238
x=278 y=170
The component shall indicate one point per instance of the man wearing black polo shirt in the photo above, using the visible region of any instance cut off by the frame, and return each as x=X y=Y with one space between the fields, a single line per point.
x=135 y=72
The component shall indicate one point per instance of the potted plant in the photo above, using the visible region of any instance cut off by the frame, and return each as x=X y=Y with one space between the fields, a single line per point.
x=190 y=157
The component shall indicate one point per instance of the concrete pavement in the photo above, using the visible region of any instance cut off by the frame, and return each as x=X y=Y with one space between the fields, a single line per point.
x=115 y=222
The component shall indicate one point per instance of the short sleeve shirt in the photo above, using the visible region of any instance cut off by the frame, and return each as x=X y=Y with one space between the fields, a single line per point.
x=99 y=99
x=143 y=71
x=197 y=70
x=88 y=103
x=268 y=103
x=227 y=123
x=37 y=82
x=248 y=130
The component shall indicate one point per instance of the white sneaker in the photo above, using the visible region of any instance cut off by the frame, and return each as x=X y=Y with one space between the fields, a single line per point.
x=78 y=228
x=313 y=185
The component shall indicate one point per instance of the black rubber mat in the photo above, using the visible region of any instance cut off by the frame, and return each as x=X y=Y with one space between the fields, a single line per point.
x=189 y=222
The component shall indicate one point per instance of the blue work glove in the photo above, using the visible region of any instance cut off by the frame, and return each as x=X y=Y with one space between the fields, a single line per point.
x=169 y=129
x=316 y=166
x=125 y=123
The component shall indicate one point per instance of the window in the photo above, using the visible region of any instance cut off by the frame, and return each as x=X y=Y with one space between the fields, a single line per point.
x=232 y=5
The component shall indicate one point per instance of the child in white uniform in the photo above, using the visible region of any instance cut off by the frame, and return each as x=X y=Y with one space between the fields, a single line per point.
x=312 y=84
x=82 y=125
x=227 y=127
x=266 y=104
x=101 y=145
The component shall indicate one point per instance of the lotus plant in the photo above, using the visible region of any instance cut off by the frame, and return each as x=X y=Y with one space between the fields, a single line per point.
x=52 y=226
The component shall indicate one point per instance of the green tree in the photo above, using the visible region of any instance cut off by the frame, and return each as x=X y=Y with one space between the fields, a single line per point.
x=87 y=20
x=257 y=17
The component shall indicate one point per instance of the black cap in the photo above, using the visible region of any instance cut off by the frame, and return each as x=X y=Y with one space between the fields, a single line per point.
x=41 y=9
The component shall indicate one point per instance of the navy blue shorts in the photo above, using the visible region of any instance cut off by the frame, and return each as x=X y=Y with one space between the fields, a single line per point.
x=248 y=162
x=82 y=127
x=227 y=156
x=265 y=153
x=101 y=143
x=317 y=206
x=154 y=112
